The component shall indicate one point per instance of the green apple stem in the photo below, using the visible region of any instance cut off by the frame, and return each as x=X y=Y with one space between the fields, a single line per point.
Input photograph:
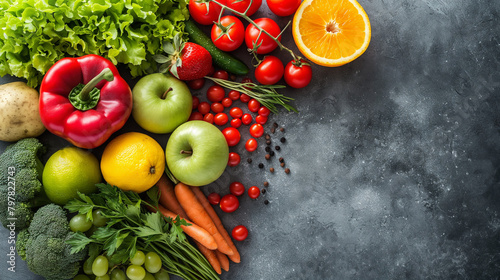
x=186 y=152
x=164 y=95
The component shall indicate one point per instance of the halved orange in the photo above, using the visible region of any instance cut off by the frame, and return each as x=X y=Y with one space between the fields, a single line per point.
x=331 y=32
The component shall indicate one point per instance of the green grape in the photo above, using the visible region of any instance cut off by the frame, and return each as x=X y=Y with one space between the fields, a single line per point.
x=149 y=276
x=100 y=266
x=87 y=266
x=138 y=258
x=152 y=262
x=118 y=274
x=104 y=277
x=81 y=277
x=98 y=219
x=136 y=272
x=162 y=275
x=79 y=223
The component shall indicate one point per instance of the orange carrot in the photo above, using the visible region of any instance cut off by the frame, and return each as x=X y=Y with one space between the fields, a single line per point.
x=213 y=215
x=210 y=256
x=196 y=232
x=199 y=216
x=167 y=196
x=223 y=260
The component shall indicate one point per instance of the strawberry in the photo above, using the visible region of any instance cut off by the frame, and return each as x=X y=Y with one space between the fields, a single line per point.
x=186 y=61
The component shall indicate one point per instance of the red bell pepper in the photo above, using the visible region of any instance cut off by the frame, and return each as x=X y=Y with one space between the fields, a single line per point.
x=84 y=100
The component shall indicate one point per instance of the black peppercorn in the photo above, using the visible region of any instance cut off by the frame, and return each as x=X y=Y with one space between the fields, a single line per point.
x=281 y=159
x=282 y=129
x=266 y=202
x=273 y=130
x=275 y=125
x=283 y=139
x=266 y=184
x=268 y=149
x=282 y=164
x=271 y=153
x=263 y=191
x=249 y=160
x=277 y=148
x=268 y=142
x=261 y=165
x=267 y=136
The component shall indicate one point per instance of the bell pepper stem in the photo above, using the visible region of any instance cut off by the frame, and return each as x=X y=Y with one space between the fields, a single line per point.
x=106 y=74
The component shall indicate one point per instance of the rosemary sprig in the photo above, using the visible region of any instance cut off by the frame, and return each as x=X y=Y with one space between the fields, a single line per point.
x=265 y=94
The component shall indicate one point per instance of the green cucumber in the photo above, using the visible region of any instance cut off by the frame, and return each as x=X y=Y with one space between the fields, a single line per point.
x=221 y=59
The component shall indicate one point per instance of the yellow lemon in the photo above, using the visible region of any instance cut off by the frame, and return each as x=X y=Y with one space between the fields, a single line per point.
x=133 y=162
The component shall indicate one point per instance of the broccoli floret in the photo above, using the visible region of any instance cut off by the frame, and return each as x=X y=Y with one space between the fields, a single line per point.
x=44 y=246
x=21 y=190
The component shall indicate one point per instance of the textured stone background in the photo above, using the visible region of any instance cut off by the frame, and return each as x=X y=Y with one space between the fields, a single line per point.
x=395 y=157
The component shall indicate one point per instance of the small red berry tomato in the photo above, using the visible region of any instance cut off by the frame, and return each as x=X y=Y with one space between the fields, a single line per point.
x=253 y=105
x=232 y=136
x=214 y=198
x=233 y=95
x=298 y=75
x=204 y=13
x=244 y=98
x=246 y=119
x=283 y=8
x=229 y=203
x=236 y=112
x=251 y=145
x=239 y=233
x=256 y=130
x=266 y=44
x=234 y=159
x=227 y=102
x=242 y=5
x=269 y=71
x=237 y=188
x=228 y=34
x=235 y=123
x=196 y=116
x=261 y=119
x=221 y=119
x=196 y=84
x=209 y=118
x=264 y=111
x=196 y=102
x=215 y=93
x=204 y=107
x=221 y=74
x=217 y=107
x=253 y=192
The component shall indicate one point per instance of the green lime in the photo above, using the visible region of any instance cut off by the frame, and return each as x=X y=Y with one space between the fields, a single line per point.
x=68 y=171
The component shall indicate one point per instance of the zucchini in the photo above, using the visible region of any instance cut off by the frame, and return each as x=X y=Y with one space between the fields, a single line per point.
x=222 y=59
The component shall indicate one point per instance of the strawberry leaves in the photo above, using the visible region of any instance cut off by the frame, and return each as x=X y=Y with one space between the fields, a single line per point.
x=174 y=58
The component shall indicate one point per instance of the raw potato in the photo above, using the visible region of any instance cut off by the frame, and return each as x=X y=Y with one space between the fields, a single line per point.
x=19 y=115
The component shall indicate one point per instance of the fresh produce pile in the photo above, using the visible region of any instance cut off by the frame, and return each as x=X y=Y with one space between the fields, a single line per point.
x=139 y=210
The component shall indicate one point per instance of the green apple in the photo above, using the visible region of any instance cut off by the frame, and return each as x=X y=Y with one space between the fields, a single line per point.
x=161 y=103
x=197 y=153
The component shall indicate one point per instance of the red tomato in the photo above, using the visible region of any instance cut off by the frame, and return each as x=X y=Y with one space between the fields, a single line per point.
x=227 y=102
x=209 y=118
x=237 y=188
x=253 y=105
x=267 y=44
x=264 y=111
x=234 y=159
x=230 y=39
x=236 y=112
x=196 y=116
x=216 y=93
x=229 y=203
x=283 y=8
x=214 y=198
x=221 y=119
x=251 y=145
x=235 y=123
x=298 y=76
x=269 y=71
x=253 y=192
x=256 y=130
x=232 y=135
x=246 y=119
x=204 y=107
x=244 y=98
x=239 y=233
x=204 y=13
x=221 y=74
x=196 y=102
x=246 y=80
x=196 y=84
x=234 y=95
x=261 y=119
x=217 y=107
x=242 y=5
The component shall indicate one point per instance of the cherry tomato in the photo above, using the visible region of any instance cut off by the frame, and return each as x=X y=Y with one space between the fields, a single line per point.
x=196 y=116
x=217 y=107
x=237 y=188
x=253 y=105
x=239 y=233
x=232 y=136
x=221 y=119
x=216 y=93
x=214 y=198
x=283 y=8
x=298 y=76
x=227 y=102
x=204 y=107
x=261 y=119
x=269 y=71
x=253 y=192
x=246 y=119
x=232 y=38
x=234 y=95
x=209 y=118
x=196 y=102
x=204 y=13
x=235 y=123
x=267 y=44
x=196 y=84
x=236 y=112
x=244 y=98
x=264 y=111
x=256 y=130
x=246 y=80
x=229 y=203
x=241 y=6
x=251 y=145
x=221 y=74
x=234 y=159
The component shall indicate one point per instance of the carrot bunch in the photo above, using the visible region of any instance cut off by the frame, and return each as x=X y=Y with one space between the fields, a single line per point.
x=206 y=229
